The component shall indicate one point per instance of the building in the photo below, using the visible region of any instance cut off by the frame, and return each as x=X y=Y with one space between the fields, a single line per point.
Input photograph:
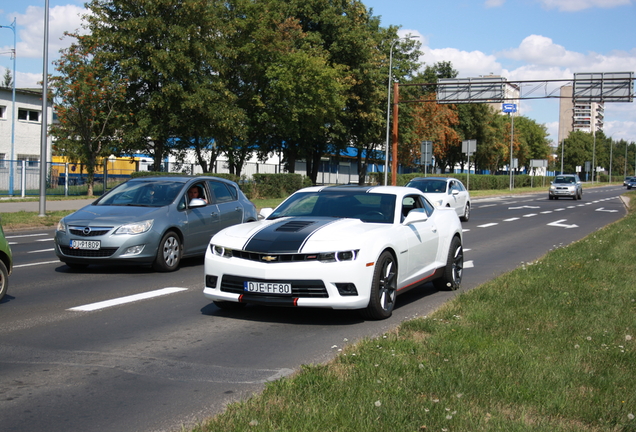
x=583 y=116
x=28 y=124
x=20 y=137
x=511 y=94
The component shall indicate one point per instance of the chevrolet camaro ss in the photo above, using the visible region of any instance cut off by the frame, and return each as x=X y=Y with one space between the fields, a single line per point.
x=339 y=247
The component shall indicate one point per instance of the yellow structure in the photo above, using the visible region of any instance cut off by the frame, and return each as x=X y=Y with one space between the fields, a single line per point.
x=114 y=167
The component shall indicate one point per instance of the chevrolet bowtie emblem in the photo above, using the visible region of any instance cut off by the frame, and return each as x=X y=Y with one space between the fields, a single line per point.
x=269 y=258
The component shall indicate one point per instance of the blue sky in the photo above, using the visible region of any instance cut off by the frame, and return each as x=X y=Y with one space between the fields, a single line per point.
x=517 y=39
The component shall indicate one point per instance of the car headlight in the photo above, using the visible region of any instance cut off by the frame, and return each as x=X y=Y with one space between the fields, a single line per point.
x=348 y=255
x=61 y=226
x=135 y=228
x=552 y=188
x=220 y=251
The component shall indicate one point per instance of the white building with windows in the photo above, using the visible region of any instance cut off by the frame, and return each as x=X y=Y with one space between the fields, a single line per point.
x=584 y=116
x=28 y=125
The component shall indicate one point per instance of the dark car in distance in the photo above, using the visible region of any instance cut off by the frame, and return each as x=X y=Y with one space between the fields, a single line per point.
x=6 y=263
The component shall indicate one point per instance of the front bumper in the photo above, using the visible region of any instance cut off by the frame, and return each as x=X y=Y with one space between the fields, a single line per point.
x=114 y=249
x=563 y=192
x=314 y=284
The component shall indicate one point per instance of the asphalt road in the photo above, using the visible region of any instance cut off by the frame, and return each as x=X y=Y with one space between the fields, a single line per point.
x=69 y=362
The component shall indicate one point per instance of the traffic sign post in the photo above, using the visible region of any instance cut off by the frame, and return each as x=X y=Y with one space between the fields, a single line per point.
x=426 y=152
x=469 y=147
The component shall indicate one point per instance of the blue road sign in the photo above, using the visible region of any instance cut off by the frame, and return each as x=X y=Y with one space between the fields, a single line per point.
x=509 y=108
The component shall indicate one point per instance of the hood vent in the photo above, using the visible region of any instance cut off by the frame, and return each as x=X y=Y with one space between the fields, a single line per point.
x=294 y=226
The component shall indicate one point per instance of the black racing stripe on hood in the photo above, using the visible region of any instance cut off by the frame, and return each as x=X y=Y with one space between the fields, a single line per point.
x=286 y=236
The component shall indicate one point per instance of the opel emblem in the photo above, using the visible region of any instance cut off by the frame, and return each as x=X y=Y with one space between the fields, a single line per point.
x=87 y=230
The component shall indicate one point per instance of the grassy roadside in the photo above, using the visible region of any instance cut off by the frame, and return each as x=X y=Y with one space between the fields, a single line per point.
x=547 y=347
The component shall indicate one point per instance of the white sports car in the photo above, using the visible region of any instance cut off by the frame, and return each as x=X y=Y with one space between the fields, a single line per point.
x=340 y=247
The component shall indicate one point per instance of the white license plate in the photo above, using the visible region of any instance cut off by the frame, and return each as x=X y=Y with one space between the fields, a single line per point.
x=267 y=287
x=85 y=244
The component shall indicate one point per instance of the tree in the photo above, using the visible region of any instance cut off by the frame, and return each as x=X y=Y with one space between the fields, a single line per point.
x=87 y=98
x=533 y=138
x=7 y=80
x=169 y=53
x=577 y=149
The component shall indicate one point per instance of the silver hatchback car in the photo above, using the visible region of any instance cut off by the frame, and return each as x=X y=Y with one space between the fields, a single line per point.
x=152 y=221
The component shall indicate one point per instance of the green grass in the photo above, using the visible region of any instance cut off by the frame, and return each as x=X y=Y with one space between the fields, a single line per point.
x=547 y=347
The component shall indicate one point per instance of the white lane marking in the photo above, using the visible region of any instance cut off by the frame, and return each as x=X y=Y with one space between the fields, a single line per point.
x=46 y=239
x=13 y=243
x=523 y=207
x=41 y=250
x=530 y=215
x=602 y=209
x=487 y=205
x=37 y=263
x=546 y=212
x=562 y=225
x=511 y=219
x=27 y=235
x=127 y=299
x=469 y=264
x=487 y=225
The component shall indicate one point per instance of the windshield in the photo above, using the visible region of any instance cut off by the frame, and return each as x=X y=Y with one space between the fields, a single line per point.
x=429 y=186
x=565 y=180
x=379 y=208
x=142 y=193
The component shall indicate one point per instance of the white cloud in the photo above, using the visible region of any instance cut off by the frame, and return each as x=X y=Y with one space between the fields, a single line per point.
x=31 y=33
x=542 y=50
x=494 y=3
x=577 y=5
x=468 y=63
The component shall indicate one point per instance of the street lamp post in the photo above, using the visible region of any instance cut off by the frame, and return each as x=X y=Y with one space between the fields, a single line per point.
x=11 y=174
x=43 y=131
x=594 y=157
x=388 y=107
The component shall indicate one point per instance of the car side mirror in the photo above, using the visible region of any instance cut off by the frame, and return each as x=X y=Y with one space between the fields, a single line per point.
x=197 y=202
x=415 y=215
x=265 y=212
x=455 y=192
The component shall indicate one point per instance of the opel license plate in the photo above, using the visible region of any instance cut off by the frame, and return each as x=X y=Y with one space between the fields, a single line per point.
x=267 y=287
x=85 y=244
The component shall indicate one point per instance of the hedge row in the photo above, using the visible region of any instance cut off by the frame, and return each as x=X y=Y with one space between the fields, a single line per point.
x=476 y=181
x=262 y=185
x=283 y=185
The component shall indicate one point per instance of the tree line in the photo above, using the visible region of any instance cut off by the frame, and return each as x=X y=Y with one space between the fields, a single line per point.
x=233 y=78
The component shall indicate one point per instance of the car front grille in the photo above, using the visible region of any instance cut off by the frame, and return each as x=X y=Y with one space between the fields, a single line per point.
x=101 y=253
x=89 y=231
x=300 y=288
x=273 y=258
